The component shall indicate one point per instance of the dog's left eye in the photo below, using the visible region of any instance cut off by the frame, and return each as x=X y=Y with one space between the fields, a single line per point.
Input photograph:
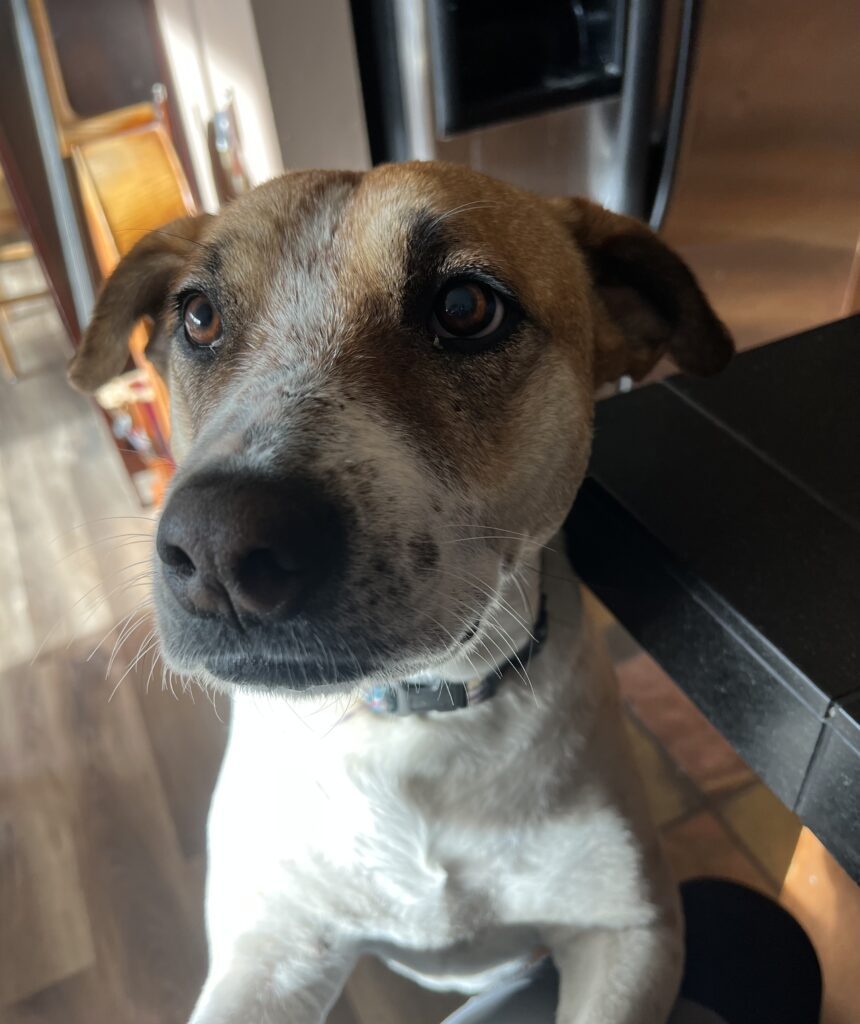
x=201 y=321
x=468 y=312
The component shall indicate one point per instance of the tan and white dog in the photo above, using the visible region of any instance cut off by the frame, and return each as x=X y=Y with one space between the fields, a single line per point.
x=382 y=389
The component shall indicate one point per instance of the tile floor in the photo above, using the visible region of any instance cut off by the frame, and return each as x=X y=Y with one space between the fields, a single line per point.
x=716 y=818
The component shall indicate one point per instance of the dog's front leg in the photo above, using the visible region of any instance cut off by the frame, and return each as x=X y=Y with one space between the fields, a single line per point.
x=624 y=976
x=260 y=984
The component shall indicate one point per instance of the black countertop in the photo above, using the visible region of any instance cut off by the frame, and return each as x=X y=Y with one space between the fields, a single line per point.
x=721 y=524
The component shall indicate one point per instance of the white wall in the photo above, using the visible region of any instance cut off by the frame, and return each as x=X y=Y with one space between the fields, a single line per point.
x=308 y=50
x=212 y=47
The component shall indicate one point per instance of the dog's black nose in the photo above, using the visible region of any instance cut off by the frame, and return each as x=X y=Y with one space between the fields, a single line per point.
x=239 y=546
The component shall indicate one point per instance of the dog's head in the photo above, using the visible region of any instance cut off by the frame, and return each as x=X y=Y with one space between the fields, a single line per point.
x=382 y=389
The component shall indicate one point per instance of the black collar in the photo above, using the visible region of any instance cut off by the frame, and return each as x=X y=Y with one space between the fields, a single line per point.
x=415 y=698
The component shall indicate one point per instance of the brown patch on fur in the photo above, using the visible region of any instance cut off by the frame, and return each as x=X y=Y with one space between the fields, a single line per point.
x=648 y=301
x=464 y=412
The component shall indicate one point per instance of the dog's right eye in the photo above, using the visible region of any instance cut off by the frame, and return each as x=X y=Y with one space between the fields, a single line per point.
x=469 y=315
x=201 y=321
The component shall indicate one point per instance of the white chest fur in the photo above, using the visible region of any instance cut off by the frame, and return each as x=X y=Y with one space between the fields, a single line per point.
x=449 y=837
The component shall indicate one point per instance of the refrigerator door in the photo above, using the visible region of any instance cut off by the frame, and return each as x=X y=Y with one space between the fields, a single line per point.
x=766 y=204
x=574 y=116
x=498 y=59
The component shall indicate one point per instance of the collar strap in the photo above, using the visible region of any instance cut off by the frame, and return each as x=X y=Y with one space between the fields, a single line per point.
x=416 y=698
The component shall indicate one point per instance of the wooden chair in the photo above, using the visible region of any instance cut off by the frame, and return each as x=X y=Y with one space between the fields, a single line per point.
x=73 y=130
x=129 y=179
x=130 y=184
x=15 y=247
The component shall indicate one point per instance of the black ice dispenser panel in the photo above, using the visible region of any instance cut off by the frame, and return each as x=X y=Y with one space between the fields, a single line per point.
x=499 y=59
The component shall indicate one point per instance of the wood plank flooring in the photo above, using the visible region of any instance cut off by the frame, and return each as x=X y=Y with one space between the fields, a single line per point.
x=100 y=907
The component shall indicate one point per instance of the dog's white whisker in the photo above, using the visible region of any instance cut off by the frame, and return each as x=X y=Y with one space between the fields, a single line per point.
x=523 y=597
x=478 y=614
x=118 y=625
x=494 y=596
x=486 y=532
x=455 y=642
x=514 y=661
x=124 y=586
x=351 y=703
x=92 y=522
x=512 y=656
x=155 y=661
x=211 y=695
x=125 y=540
x=479 y=537
x=144 y=607
x=463 y=208
x=124 y=635
x=63 y=618
x=574 y=582
x=167 y=680
x=148 y=642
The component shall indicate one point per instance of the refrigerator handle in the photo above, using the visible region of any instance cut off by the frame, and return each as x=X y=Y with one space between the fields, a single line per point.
x=675 y=122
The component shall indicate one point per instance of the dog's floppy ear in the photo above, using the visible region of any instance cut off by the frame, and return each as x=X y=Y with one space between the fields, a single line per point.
x=647 y=301
x=136 y=288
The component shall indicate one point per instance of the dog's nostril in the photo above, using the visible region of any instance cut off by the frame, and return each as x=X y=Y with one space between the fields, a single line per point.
x=268 y=577
x=173 y=556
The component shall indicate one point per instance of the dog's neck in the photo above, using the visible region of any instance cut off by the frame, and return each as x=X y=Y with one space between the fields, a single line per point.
x=505 y=628
x=511 y=632
x=548 y=575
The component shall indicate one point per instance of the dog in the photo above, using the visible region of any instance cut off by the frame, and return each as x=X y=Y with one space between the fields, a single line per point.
x=382 y=387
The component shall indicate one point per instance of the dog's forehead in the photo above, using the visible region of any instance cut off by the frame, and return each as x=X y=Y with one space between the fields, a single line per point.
x=289 y=219
x=364 y=232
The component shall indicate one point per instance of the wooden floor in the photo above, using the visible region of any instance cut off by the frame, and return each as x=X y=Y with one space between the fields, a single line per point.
x=101 y=800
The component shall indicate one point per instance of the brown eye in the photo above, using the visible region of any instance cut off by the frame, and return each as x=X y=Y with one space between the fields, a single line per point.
x=202 y=321
x=466 y=310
